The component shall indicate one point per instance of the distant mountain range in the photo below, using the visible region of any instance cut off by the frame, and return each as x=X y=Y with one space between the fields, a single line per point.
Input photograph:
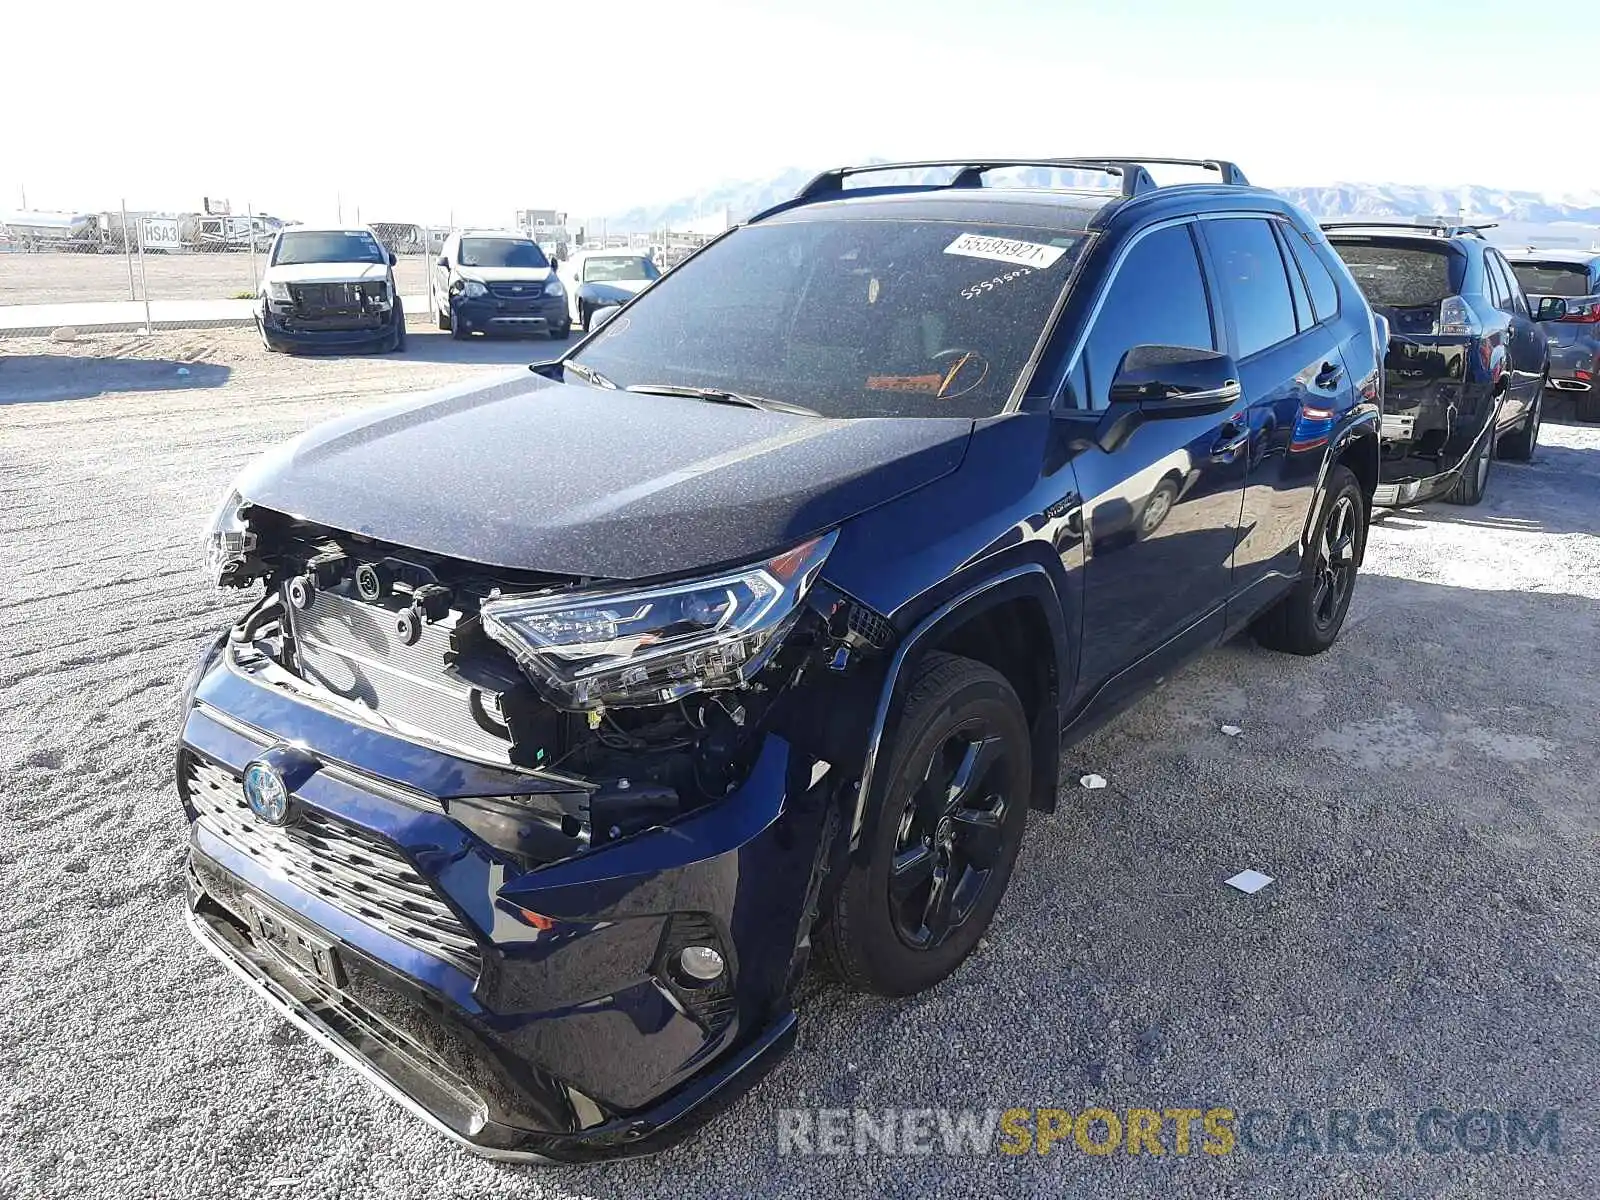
x=1523 y=215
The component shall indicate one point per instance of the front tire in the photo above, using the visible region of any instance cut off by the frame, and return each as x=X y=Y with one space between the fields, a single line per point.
x=945 y=835
x=1472 y=477
x=267 y=344
x=1308 y=619
x=441 y=317
x=1519 y=446
x=397 y=338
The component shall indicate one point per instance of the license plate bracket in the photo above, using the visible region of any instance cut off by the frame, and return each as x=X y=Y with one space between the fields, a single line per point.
x=297 y=946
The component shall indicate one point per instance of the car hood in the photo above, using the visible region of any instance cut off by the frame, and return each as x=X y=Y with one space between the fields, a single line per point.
x=529 y=474
x=326 y=272
x=505 y=274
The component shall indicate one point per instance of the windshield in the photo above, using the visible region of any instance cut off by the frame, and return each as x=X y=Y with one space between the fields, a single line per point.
x=615 y=269
x=1553 y=279
x=501 y=252
x=851 y=318
x=1408 y=276
x=323 y=246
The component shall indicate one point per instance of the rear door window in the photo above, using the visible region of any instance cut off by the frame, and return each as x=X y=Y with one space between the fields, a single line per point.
x=1157 y=298
x=1553 y=279
x=1508 y=283
x=1305 y=318
x=1324 y=292
x=1250 y=272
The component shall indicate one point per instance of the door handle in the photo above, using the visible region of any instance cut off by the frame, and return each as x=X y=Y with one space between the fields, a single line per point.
x=1328 y=378
x=1231 y=440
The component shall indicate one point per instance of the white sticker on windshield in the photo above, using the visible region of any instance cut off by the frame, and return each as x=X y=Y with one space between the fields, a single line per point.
x=1006 y=250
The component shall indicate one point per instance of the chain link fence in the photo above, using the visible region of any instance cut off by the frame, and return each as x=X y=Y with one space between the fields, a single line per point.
x=134 y=269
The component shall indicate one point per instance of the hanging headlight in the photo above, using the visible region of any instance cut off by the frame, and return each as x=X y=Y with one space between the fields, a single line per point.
x=650 y=645
x=228 y=542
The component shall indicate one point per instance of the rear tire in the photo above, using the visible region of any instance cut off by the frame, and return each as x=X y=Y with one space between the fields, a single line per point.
x=1308 y=619
x=945 y=835
x=1519 y=446
x=1587 y=406
x=1472 y=478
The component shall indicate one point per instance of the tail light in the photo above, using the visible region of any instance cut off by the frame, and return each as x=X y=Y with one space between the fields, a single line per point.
x=1582 y=312
x=1454 y=317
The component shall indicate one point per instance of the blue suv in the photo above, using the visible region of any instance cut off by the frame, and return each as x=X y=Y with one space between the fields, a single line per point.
x=572 y=711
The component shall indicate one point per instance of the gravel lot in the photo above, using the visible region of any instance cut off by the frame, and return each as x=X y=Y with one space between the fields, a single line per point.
x=1424 y=795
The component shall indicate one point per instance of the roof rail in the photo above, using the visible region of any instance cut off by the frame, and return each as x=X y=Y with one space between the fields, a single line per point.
x=970 y=172
x=1231 y=175
x=1133 y=179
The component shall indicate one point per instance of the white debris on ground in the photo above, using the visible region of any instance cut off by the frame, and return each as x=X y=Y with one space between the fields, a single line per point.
x=1249 y=882
x=1092 y=782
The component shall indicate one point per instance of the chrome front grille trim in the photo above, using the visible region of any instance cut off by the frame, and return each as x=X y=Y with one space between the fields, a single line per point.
x=338 y=863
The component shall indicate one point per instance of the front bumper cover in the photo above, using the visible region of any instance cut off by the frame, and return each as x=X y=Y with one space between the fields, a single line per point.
x=427 y=1086
x=570 y=1042
x=282 y=326
x=492 y=314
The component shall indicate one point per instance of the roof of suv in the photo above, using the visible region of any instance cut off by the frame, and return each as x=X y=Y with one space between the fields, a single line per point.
x=1553 y=255
x=320 y=227
x=1046 y=208
x=507 y=234
x=1459 y=235
x=966 y=196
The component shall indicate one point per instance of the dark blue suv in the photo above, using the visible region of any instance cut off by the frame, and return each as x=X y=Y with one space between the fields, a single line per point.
x=573 y=710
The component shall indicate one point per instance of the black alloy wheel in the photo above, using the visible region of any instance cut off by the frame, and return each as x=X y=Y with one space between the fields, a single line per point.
x=942 y=836
x=1335 y=567
x=949 y=840
x=1308 y=618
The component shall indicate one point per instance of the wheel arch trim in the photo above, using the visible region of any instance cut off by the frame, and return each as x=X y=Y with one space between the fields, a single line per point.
x=1360 y=424
x=1023 y=580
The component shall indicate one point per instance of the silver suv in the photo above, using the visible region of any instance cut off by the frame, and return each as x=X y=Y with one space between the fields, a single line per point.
x=1573 y=275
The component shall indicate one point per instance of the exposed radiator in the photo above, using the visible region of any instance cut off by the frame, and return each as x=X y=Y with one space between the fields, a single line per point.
x=352 y=649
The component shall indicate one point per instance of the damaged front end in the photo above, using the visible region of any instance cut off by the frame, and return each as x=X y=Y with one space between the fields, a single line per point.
x=551 y=850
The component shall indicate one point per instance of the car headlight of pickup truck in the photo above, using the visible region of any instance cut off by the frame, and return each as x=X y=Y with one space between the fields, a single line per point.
x=278 y=291
x=554 y=288
x=473 y=290
x=651 y=645
x=228 y=542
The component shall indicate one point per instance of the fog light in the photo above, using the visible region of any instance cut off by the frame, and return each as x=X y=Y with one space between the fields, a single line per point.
x=701 y=963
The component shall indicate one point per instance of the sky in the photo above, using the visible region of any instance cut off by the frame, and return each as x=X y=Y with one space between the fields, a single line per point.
x=468 y=111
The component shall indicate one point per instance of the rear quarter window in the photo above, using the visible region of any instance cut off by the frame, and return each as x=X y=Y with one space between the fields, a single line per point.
x=1403 y=276
x=1553 y=279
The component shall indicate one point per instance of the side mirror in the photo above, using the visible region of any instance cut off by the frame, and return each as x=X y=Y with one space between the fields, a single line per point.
x=1163 y=382
x=444 y=262
x=1549 y=308
x=601 y=315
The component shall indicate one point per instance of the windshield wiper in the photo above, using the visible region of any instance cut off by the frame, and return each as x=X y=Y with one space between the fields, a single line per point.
x=722 y=396
x=588 y=374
